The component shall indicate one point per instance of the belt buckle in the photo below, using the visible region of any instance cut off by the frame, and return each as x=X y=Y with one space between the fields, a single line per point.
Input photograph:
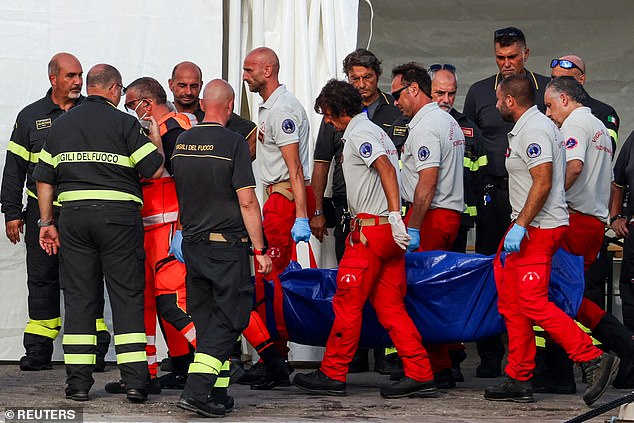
x=355 y=224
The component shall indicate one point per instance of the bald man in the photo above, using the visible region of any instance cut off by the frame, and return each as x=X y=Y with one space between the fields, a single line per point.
x=65 y=75
x=220 y=214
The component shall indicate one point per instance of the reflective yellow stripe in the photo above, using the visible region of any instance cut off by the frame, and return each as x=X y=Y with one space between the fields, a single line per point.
x=589 y=332
x=32 y=194
x=614 y=135
x=131 y=357
x=130 y=338
x=45 y=157
x=36 y=329
x=79 y=358
x=73 y=339
x=97 y=194
x=19 y=150
x=101 y=325
x=471 y=210
x=55 y=323
x=221 y=382
x=390 y=350
x=540 y=341
x=204 y=363
x=201 y=368
x=475 y=165
x=91 y=157
x=140 y=154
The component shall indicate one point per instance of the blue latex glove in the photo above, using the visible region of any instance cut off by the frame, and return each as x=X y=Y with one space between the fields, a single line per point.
x=514 y=237
x=301 y=230
x=176 y=247
x=414 y=243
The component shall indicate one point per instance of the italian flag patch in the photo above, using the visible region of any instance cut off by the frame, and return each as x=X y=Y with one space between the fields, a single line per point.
x=612 y=119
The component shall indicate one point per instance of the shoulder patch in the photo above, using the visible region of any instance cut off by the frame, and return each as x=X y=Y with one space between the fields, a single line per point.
x=533 y=150
x=571 y=143
x=423 y=153
x=365 y=150
x=288 y=126
x=613 y=119
x=468 y=132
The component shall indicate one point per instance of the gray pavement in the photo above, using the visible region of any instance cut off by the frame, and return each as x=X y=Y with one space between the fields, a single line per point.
x=363 y=403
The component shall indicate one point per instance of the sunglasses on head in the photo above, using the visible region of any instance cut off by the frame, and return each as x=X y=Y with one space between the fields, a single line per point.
x=447 y=66
x=509 y=32
x=564 y=64
x=397 y=94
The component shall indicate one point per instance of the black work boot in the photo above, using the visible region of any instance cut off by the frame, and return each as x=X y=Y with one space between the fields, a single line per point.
x=253 y=374
x=152 y=386
x=196 y=397
x=379 y=360
x=599 y=372
x=457 y=357
x=318 y=383
x=510 y=390
x=408 y=387
x=276 y=370
x=392 y=363
x=205 y=409
x=359 y=363
x=616 y=337
x=444 y=379
x=220 y=396
x=177 y=378
x=31 y=363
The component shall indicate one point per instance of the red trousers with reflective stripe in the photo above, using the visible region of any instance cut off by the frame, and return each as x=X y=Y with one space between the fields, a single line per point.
x=375 y=272
x=438 y=233
x=523 y=302
x=584 y=237
x=438 y=230
x=278 y=216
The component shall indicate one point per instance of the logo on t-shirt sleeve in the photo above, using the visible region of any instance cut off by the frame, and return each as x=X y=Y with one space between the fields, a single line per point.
x=365 y=150
x=534 y=150
x=423 y=153
x=288 y=126
x=571 y=143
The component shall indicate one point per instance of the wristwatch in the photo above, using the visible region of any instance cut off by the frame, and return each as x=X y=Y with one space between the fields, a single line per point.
x=617 y=217
x=318 y=212
x=43 y=223
x=261 y=252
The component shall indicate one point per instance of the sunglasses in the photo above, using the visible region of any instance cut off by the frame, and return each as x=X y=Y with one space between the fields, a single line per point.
x=510 y=32
x=437 y=66
x=129 y=106
x=397 y=94
x=564 y=64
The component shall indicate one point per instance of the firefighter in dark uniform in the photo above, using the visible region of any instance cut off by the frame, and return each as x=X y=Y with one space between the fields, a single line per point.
x=92 y=158
x=30 y=130
x=494 y=210
x=363 y=70
x=219 y=213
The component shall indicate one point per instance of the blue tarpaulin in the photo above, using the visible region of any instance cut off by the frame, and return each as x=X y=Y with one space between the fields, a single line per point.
x=451 y=297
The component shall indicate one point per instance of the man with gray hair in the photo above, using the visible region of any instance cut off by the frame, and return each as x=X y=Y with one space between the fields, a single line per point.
x=92 y=159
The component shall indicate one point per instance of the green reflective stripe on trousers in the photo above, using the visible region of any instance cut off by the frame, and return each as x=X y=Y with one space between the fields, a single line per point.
x=614 y=135
x=19 y=150
x=226 y=366
x=540 y=341
x=595 y=342
x=37 y=329
x=140 y=154
x=202 y=368
x=101 y=325
x=208 y=360
x=45 y=157
x=32 y=194
x=131 y=357
x=79 y=358
x=222 y=382
x=390 y=350
x=74 y=339
x=96 y=194
x=471 y=210
x=92 y=157
x=130 y=338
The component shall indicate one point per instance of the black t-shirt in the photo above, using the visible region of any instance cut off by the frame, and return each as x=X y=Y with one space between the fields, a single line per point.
x=29 y=132
x=624 y=166
x=169 y=141
x=96 y=152
x=329 y=145
x=606 y=114
x=211 y=163
x=479 y=106
x=241 y=125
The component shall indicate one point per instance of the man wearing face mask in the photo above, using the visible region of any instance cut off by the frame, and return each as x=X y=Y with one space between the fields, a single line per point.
x=92 y=158
x=31 y=127
x=146 y=97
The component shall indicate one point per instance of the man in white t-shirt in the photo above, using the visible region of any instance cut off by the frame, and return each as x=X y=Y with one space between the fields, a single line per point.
x=535 y=162
x=373 y=264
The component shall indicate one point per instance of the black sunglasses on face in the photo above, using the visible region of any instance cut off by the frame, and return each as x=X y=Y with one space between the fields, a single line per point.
x=397 y=94
x=447 y=66
x=564 y=64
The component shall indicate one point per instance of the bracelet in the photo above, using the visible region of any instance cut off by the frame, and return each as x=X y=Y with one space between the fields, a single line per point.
x=617 y=217
x=261 y=252
x=318 y=212
x=44 y=223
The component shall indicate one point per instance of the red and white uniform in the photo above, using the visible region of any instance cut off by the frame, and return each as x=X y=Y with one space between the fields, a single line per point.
x=435 y=140
x=160 y=213
x=523 y=282
x=282 y=121
x=375 y=271
x=587 y=140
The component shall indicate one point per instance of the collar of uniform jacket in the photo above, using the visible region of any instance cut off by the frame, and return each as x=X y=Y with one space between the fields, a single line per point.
x=53 y=107
x=523 y=119
x=418 y=117
x=274 y=96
